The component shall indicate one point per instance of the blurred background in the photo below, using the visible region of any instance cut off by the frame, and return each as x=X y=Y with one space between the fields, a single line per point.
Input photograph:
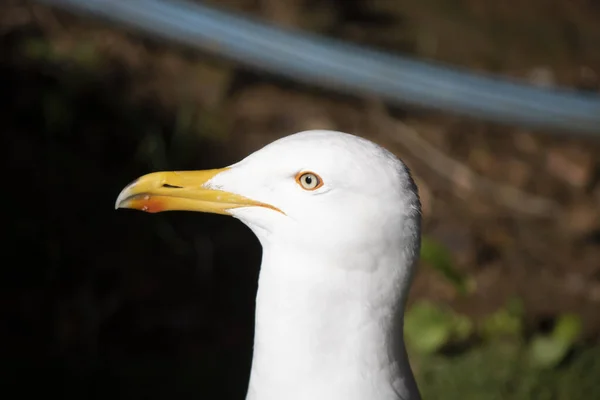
x=98 y=303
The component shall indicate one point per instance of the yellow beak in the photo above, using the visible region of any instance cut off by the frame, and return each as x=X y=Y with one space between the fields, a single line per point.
x=182 y=191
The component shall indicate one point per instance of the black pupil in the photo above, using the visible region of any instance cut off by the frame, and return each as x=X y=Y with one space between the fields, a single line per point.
x=308 y=179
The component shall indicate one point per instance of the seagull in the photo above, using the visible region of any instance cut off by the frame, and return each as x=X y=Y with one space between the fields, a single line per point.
x=339 y=221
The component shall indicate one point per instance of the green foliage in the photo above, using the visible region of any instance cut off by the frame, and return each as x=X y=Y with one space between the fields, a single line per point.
x=547 y=351
x=428 y=327
x=503 y=365
x=499 y=370
x=506 y=322
x=440 y=259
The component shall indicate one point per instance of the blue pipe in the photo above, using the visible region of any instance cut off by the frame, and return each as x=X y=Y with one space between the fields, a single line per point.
x=349 y=68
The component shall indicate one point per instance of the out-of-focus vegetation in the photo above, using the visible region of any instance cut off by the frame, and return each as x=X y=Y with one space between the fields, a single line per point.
x=102 y=304
x=495 y=359
x=439 y=257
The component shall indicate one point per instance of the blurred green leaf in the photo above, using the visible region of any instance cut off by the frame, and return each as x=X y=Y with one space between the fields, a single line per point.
x=504 y=323
x=440 y=259
x=428 y=327
x=546 y=351
x=462 y=327
x=567 y=329
x=498 y=371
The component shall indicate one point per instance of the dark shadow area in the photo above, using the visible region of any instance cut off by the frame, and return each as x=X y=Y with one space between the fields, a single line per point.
x=98 y=303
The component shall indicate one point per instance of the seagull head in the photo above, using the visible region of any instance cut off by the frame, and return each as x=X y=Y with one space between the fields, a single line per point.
x=302 y=190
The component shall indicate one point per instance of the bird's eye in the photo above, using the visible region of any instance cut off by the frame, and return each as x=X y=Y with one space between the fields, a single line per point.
x=309 y=180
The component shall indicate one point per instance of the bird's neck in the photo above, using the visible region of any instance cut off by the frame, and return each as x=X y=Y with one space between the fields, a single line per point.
x=324 y=332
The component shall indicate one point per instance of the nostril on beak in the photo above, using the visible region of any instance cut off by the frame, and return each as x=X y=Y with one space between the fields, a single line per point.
x=166 y=185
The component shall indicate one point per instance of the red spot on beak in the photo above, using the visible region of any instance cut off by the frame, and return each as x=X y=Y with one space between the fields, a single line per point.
x=148 y=204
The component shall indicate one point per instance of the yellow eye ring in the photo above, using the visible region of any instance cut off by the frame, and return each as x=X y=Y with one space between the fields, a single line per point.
x=309 y=180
